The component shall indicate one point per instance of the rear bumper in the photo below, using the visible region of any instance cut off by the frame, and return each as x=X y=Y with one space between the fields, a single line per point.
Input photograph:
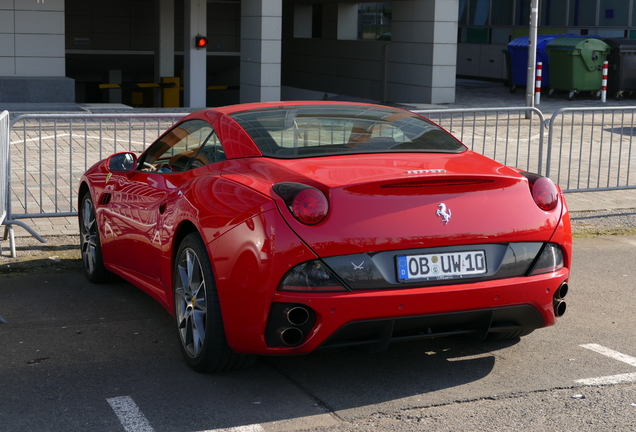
x=376 y=335
x=380 y=316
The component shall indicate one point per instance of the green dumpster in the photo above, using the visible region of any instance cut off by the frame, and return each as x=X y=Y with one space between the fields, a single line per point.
x=576 y=64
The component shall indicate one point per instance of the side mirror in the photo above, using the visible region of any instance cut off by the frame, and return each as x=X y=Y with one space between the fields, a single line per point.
x=122 y=163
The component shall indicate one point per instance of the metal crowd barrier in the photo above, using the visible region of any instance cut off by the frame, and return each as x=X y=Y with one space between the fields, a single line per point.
x=591 y=149
x=4 y=165
x=50 y=152
x=586 y=149
x=512 y=136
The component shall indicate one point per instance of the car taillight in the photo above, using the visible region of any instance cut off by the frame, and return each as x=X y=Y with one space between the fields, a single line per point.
x=544 y=191
x=309 y=205
x=550 y=260
x=313 y=276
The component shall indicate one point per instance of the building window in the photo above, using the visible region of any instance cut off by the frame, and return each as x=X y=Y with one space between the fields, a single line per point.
x=613 y=13
x=501 y=12
x=553 y=12
x=462 y=12
x=374 y=21
x=479 y=12
x=582 y=13
x=316 y=21
x=522 y=13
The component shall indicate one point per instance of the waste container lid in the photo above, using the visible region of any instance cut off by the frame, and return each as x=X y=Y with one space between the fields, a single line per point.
x=622 y=44
x=542 y=40
x=569 y=43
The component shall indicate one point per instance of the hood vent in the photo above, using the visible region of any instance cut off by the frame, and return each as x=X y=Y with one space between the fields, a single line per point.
x=439 y=182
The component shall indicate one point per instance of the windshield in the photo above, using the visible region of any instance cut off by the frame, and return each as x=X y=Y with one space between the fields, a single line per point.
x=307 y=131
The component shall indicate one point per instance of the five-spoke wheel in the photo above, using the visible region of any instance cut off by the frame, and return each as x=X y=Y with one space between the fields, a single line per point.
x=90 y=245
x=198 y=312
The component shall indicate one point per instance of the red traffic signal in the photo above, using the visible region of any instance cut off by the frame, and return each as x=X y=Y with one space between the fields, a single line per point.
x=201 y=42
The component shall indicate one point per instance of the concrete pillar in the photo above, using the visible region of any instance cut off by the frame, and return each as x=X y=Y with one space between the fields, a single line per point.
x=261 y=27
x=114 y=77
x=194 y=93
x=302 y=20
x=347 y=21
x=422 y=58
x=164 y=52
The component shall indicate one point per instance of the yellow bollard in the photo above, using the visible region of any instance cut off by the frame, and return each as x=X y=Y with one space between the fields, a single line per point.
x=170 y=96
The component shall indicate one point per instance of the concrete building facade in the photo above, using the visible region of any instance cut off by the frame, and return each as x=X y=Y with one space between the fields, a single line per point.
x=258 y=49
x=265 y=50
x=487 y=26
x=32 y=52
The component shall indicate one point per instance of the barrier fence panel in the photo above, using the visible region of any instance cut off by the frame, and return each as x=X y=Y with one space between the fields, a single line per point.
x=592 y=148
x=45 y=154
x=512 y=136
x=50 y=152
x=4 y=165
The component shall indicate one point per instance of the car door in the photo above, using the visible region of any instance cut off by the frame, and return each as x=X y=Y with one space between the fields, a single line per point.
x=139 y=199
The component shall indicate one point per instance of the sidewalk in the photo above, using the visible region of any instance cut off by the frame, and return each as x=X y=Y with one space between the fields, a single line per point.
x=470 y=94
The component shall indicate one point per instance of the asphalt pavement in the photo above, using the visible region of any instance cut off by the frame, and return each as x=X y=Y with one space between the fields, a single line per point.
x=82 y=357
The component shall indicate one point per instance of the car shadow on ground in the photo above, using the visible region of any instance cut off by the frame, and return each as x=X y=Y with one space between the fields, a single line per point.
x=347 y=378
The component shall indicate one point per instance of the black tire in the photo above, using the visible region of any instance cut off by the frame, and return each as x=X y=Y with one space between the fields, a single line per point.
x=198 y=319
x=90 y=244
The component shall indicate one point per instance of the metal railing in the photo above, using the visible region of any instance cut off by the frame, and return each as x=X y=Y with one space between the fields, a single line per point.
x=4 y=165
x=511 y=136
x=586 y=149
x=50 y=152
x=592 y=149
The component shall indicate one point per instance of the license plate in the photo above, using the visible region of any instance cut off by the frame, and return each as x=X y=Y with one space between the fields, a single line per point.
x=441 y=266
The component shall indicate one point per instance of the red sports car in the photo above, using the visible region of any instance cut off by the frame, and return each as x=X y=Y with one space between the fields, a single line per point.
x=281 y=228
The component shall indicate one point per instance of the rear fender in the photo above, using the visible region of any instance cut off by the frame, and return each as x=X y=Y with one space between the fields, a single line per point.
x=249 y=262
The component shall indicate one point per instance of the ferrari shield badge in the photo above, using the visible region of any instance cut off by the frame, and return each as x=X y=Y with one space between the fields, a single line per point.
x=444 y=213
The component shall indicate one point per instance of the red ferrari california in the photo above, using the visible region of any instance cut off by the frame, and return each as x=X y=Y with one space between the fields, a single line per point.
x=282 y=228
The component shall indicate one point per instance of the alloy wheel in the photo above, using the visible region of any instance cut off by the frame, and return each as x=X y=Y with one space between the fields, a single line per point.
x=191 y=303
x=88 y=236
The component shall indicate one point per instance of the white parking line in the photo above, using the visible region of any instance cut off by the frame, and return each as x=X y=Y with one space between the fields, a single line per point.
x=133 y=420
x=610 y=379
x=248 y=428
x=43 y=138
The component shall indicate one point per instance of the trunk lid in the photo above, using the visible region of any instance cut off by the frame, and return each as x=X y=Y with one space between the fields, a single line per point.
x=386 y=202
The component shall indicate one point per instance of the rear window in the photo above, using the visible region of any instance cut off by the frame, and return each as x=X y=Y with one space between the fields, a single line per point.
x=307 y=131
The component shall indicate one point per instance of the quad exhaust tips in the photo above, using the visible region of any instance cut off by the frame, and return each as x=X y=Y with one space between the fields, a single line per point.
x=290 y=336
x=558 y=302
x=289 y=324
x=297 y=316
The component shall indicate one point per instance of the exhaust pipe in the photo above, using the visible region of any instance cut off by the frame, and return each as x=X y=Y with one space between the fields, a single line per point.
x=559 y=307
x=562 y=291
x=296 y=315
x=558 y=302
x=290 y=336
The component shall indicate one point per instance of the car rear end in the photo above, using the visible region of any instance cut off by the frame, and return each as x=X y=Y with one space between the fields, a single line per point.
x=404 y=240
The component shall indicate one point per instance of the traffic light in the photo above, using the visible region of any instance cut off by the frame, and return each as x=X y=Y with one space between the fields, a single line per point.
x=201 y=42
